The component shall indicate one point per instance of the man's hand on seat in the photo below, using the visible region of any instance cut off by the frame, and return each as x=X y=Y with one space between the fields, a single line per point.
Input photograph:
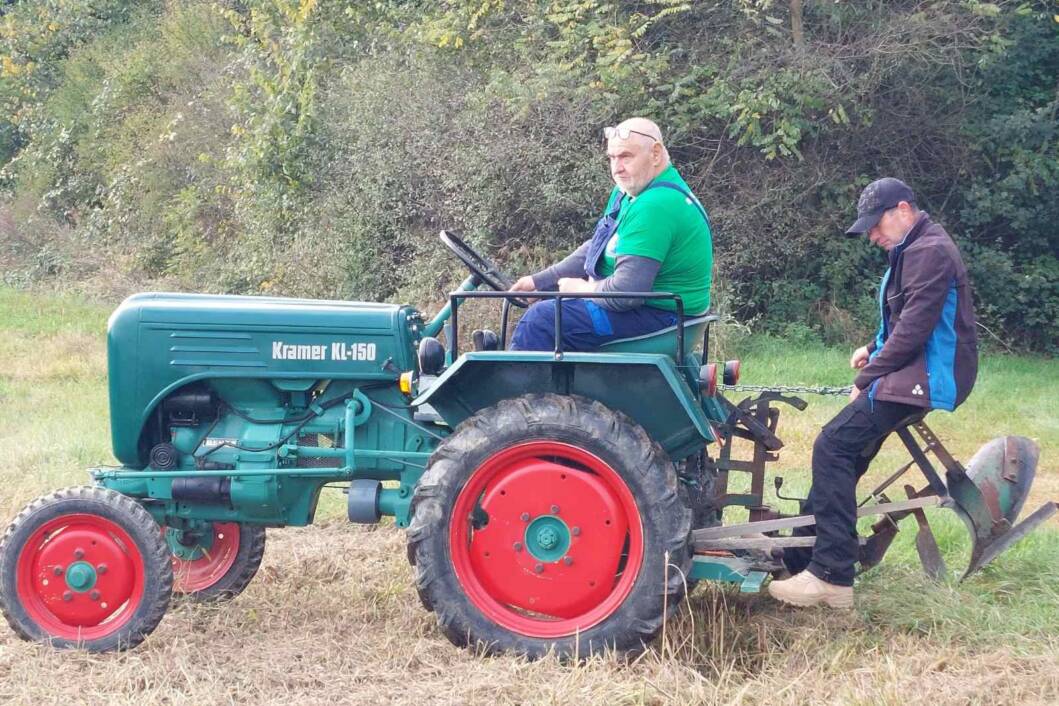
x=572 y=285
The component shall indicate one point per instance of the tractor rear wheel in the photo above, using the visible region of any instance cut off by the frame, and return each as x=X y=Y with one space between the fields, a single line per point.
x=217 y=566
x=550 y=522
x=84 y=567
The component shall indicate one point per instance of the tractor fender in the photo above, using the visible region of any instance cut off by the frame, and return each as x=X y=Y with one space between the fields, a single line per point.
x=647 y=387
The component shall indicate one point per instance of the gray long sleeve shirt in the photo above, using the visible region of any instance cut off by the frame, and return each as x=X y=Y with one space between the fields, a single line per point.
x=632 y=273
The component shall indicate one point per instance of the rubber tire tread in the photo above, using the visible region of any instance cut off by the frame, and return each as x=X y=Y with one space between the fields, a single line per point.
x=124 y=511
x=701 y=515
x=240 y=574
x=616 y=439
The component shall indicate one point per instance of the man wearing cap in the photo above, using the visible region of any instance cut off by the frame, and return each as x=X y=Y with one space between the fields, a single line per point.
x=654 y=235
x=924 y=357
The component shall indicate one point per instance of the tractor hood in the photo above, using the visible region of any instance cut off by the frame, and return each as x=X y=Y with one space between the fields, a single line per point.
x=157 y=343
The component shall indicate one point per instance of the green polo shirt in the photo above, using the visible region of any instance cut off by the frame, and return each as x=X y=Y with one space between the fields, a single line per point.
x=664 y=225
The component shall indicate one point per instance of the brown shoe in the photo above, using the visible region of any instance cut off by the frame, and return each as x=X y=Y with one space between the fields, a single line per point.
x=806 y=590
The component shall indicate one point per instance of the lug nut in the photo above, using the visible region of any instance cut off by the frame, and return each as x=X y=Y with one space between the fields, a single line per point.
x=567 y=560
x=524 y=517
x=555 y=509
x=102 y=568
x=538 y=568
x=518 y=546
x=94 y=595
x=68 y=596
x=58 y=571
x=79 y=553
x=575 y=531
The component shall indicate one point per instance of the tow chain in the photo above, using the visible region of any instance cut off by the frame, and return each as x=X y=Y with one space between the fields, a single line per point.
x=788 y=389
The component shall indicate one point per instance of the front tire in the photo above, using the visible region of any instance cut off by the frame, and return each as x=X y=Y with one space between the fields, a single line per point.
x=84 y=567
x=545 y=523
x=217 y=567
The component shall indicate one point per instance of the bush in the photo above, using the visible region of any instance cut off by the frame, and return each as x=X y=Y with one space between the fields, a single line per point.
x=296 y=147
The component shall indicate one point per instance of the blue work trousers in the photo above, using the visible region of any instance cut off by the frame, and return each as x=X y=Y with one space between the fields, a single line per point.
x=586 y=325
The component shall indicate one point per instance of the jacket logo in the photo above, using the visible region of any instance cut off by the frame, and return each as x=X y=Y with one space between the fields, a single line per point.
x=917 y=390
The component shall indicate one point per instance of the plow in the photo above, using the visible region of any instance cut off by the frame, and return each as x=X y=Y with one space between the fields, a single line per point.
x=987 y=496
x=554 y=501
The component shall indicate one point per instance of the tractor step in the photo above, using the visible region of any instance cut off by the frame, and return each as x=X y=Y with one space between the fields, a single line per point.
x=729 y=569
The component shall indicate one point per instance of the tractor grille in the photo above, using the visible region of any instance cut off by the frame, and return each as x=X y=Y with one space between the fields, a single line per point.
x=326 y=441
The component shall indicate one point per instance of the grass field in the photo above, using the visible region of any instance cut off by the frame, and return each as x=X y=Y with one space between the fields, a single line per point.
x=332 y=617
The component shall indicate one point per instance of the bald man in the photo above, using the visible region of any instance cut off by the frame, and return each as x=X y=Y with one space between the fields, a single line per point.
x=653 y=236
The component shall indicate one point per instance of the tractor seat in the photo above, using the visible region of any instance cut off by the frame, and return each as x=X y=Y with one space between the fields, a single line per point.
x=663 y=341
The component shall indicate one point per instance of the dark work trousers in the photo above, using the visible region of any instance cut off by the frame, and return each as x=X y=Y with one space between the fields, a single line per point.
x=841 y=454
x=586 y=325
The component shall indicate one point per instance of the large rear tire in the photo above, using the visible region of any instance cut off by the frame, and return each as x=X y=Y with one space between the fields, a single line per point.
x=550 y=522
x=84 y=567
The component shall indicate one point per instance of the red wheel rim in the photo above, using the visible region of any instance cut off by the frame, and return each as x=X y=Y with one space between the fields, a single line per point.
x=191 y=575
x=110 y=577
x=549 y=485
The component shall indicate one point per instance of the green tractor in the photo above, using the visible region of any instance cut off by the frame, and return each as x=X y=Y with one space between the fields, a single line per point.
x=553 y=500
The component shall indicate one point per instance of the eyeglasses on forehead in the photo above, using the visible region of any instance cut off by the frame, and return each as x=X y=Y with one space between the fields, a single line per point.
x=623 y=133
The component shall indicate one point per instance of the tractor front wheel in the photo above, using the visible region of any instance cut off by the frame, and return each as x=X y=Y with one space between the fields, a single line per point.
x=216 y=565
x=550 y=522
x=84 y=567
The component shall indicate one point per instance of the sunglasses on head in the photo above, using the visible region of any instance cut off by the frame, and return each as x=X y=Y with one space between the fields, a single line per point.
x=623 y=133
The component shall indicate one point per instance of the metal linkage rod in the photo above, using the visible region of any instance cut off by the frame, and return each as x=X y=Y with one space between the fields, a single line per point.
x=791 y=389
x=746 y=528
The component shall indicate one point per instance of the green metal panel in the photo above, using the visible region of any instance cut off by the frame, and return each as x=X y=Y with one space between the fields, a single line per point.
x=158 y=343
x=647 y=387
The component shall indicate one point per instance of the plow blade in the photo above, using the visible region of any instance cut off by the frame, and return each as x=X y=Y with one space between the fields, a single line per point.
x=990 y=493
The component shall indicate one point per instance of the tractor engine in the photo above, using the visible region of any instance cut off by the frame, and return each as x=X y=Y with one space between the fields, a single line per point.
x=251 y=394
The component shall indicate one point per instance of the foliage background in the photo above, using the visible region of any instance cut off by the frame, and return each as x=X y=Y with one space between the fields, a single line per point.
x=305 y=148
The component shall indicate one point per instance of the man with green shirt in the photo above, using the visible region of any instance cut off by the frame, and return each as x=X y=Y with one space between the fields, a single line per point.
x=654 y=236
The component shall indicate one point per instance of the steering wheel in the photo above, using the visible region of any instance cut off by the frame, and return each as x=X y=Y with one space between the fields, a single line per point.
x=480 y=266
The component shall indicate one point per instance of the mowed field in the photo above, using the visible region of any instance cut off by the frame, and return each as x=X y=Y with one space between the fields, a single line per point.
x=332 y=617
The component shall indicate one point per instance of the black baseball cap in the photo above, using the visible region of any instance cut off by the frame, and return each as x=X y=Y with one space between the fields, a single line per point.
x=879 y=196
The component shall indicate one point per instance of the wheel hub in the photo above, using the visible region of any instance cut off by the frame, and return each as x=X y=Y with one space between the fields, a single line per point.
x=189 y=546
x=81 y=576
x=547 y=538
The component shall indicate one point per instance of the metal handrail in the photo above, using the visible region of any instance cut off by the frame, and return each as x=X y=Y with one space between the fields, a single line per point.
x=455 y=297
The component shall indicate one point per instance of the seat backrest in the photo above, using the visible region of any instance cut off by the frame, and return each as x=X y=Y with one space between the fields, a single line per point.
x=664 y=340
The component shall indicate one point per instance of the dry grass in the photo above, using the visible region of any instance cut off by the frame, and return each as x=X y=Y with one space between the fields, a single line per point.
x=332 y=617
